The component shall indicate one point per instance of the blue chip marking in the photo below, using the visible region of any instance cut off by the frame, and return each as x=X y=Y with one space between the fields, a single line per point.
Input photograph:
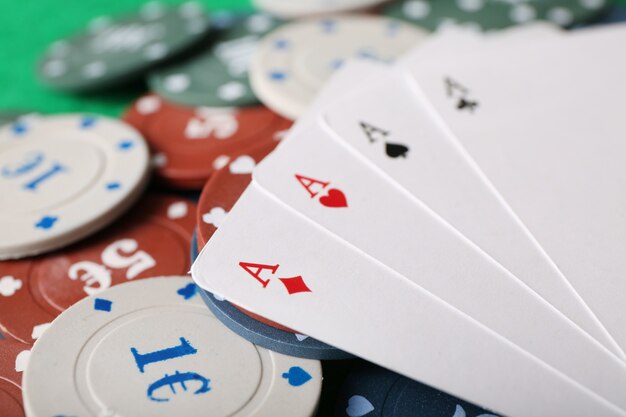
x=328 y=25
x=297 y=376
x=188 y=291
x=113 y=186
x=281 y=44
x=46 y=222
x=126 y=144
x=101 y=304
x=278 y=75
x=88 y=122
x=19 y=128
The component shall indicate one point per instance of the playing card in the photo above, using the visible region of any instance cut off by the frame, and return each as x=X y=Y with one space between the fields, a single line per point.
x=321 y=179
x=413 y=150
x=557 y=159
x=289 y=270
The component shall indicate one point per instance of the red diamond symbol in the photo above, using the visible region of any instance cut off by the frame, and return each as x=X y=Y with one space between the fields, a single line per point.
x=294 y=285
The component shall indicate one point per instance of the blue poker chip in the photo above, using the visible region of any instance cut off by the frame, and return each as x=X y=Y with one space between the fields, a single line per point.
x=372 y=391
x=263 y=335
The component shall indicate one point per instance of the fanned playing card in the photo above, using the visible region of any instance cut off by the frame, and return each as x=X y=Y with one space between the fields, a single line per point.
x=404 y=219
x=557 y=159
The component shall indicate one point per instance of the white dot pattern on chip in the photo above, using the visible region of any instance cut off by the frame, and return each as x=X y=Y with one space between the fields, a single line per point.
x=416 y=9
x=177 y=210
x=196 y=25
x=592 y=4
x=470 y=5
x=191 y=9
x=99 y=24
x=148 y=105
x=94 y=69
x=55 y=68
x=177 y=83
x=521 y=13
x=561 y=16
x=159 y=160
x=155 y=51
x=60 y=49
x=259 y=23
x=231 y=91
x=220 y=162
x=152 y=11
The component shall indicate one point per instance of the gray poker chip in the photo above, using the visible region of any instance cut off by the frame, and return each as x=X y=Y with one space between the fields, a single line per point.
x=372 y=391
x=112 y=50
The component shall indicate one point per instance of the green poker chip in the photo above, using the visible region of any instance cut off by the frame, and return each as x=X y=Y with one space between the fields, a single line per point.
x=113 y=50
x=218 y=76
x=495 y=14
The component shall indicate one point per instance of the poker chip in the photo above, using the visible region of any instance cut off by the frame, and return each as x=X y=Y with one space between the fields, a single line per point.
x=254 y=331
x=293 y=62
x=112 y=50
x=220 y=194
x=373 y=391
x=190 y=143
x=64 y=177
x=13 y=359
x=152 y=239
x=487 y=15
x=291 y=9
x=222 y=191
x=265 y=335
x=152 y=348
x=217 y=77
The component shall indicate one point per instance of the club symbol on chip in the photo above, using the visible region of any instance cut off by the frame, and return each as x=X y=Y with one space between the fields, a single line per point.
x=9 y=285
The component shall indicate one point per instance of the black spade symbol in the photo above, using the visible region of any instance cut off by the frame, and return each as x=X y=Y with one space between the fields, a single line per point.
x=396 y=150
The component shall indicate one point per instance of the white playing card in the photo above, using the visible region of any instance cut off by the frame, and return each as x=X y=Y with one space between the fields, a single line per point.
x=322 y=180
x=548 y=131
x=454 y=189
x=435 y=171
x=287 y=269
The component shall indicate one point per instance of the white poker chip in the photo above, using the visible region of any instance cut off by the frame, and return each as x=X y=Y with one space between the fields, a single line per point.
x=298 y=8
x=152 y=348
x=64 y=177
x=292 y=63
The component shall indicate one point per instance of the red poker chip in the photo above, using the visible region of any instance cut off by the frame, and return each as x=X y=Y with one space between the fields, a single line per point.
x=220 y=194
x=190 y=143
x=152 y=239
x=13 y=358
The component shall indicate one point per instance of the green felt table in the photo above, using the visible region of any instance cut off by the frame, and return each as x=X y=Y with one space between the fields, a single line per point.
x=28 y=27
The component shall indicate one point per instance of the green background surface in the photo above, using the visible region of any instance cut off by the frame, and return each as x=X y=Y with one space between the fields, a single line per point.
x=27 y=27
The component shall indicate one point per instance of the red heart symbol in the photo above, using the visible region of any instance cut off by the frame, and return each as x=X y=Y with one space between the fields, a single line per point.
x=334 y=198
